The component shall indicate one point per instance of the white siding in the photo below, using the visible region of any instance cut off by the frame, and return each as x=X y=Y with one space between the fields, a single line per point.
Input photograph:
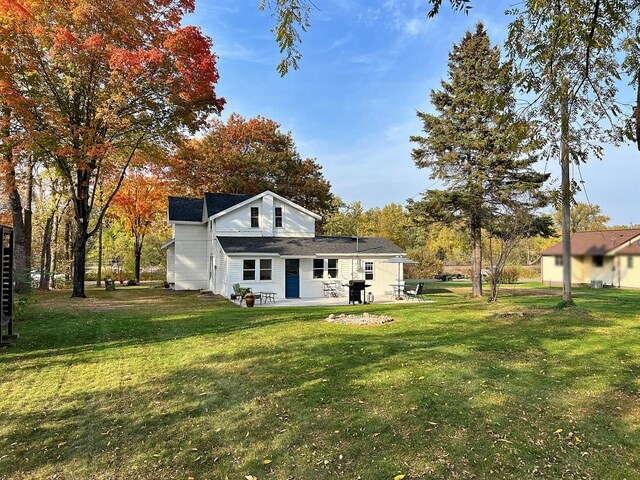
x=238 y=222
x=191 y=261
x=267 y=216
x=171 y=263
x=218 y=281
x=295 y=223
x=276 y=284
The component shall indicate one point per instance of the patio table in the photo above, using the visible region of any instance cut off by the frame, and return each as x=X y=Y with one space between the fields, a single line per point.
x=267 y=297
x=398 y=290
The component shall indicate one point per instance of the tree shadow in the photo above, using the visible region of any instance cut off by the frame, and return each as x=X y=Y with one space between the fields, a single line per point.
x=451 y=397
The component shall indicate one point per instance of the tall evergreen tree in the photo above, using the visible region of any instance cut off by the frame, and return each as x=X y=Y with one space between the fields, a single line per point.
x=475 y=144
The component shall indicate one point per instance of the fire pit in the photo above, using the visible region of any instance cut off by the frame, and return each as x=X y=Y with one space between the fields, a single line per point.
x=361 y=319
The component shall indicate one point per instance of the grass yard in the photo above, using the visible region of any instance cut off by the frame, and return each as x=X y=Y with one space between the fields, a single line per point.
x=152 y=384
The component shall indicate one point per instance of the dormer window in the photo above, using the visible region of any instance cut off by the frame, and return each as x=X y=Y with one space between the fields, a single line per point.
x=278 y=217
x=255 y=215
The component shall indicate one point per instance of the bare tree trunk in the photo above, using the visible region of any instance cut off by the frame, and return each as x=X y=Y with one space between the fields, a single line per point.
x=45 y=257
x=137 y=250
x=476 y=269
x=79 y=261
x=99 y=280
x=68 y=248
x=566 y=198
x=21 y=216
x=54 y=268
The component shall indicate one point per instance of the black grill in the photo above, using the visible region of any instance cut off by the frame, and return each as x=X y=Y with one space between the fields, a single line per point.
x=356 y=291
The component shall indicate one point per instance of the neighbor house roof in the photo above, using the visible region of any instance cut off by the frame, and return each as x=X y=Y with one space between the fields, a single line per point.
x=631 y=249
x=595 y=243
x=218 y=202
x=309 y=246
x=184 y=209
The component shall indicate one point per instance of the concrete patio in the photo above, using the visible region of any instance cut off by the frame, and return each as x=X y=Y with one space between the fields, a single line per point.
x=331 y=301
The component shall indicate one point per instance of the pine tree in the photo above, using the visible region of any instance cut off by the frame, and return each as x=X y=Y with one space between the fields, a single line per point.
x=475 y=145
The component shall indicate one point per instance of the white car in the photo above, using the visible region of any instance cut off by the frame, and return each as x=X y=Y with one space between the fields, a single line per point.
x=35 y=275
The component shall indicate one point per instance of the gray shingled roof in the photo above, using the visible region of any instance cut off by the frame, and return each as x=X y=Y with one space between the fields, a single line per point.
x=190 y=209
x=308 y=246
x=185 y=209
x=217 y=202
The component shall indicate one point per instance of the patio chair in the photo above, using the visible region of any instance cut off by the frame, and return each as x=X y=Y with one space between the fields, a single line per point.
x=414 y=293
x=329 y=289
x=240 y=292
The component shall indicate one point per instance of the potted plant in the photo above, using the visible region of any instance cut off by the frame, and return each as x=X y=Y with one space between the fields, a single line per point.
x=249 y=299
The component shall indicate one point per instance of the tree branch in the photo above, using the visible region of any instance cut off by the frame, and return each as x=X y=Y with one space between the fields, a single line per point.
x=117 y=187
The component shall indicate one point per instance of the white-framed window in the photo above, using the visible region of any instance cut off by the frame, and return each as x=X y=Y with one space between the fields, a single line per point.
x=265 y=269
x=629 y=261
x=325 y=268
x=558 y=261
x=257 y=269
x=318 y=268
x=368 y=270
x=248 y=270
x=255 y=217
x=598 y=261
x=332 y=267
x=278 y=217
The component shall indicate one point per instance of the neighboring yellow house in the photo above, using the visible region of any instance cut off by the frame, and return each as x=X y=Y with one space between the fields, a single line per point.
x=607 y=257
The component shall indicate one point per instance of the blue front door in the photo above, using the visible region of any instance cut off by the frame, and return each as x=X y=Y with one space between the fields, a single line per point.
x=292 y=278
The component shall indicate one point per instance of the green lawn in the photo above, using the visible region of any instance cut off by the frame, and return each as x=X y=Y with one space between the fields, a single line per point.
x=147 y=383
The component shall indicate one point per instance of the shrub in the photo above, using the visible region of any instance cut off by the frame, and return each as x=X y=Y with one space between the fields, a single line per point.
x=511 y=274
x=428 y=264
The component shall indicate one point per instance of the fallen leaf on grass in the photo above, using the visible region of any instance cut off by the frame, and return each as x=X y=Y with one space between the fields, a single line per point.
x=250 y=477
x=558 y=430
x=266 y=462
x=399 y=477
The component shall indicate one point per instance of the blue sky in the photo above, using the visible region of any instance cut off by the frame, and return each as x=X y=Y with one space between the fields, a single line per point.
x=367 y=67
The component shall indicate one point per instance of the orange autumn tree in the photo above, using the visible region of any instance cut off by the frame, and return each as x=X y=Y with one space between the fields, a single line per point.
x=250 y=156
x=92 y=82
x=139 y=203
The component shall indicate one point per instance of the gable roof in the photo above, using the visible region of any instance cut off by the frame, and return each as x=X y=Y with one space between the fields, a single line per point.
x=218 y=202
x=309 y=246
x=185 y=209
x=631 y=249
x=252 y=198
x=595 y=243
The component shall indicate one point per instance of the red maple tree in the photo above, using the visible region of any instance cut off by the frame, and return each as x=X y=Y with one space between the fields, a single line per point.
x=91 y=82
x=141 y=201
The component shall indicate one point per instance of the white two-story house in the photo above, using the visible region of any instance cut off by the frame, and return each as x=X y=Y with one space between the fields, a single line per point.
x=268 y=243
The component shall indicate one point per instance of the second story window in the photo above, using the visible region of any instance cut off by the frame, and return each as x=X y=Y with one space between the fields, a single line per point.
x=255 y=216
x=278 y=217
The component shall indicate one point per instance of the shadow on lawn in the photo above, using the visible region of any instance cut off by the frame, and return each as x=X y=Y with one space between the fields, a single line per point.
x=300 y=398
